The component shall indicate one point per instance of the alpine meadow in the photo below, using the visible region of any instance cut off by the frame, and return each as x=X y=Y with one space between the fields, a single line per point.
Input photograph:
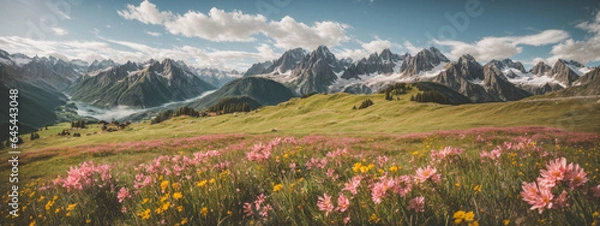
x=356 y=112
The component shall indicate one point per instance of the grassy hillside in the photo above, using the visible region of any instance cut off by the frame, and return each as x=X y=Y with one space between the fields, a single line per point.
x=320 y=123
x=333 y=115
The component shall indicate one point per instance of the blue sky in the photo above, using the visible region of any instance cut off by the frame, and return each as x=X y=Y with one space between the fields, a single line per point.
x=234 y=34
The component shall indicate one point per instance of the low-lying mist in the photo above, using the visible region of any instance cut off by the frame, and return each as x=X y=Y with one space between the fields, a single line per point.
x=119 y=112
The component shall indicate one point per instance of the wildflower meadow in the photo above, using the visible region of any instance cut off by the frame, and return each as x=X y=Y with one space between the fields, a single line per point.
x=477 y=177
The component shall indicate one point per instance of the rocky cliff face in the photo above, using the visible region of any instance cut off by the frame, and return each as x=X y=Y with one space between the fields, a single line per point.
x=566 y=72
x=540 y=69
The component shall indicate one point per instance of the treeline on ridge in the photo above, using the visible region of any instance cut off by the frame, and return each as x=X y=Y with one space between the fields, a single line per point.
x=234 y=104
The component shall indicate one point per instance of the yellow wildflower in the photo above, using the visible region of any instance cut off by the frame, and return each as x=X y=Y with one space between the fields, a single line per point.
x=164 y=184
x=204 y=211
x=459 y=216
x=176 y=186
x=469 y=216
x=356 y=167
x=49 y=205
x=201 y=183
x=71 y=206
x=374 y=218
x=277 y=187
x=166 y=205
x=177 y=195
x=145 y=215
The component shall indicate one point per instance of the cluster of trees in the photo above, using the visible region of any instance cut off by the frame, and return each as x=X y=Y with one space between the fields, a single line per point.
x=64 y=132
x=78 y=124
x=185 y=110
x=34 y=136
x=162 y=117
x=233 y=104
x=431 y=96
x=365 y=104
x=396 y=90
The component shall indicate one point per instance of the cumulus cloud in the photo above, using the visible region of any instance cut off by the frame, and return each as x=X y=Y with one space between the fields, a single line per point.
x=146 y=13
x=367 y=48
x=59 y=31
x=411 y=48
x=584 y=51
x=122 y=51
x=235 y=26
x=489 y=48
x=377 y=45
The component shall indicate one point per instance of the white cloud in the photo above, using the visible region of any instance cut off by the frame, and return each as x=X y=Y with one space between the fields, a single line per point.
x=411 y=48
x=155 y=34
x=377 y=45
x=584 y=51
x=489 y=48
x=146 y=13
x=59 y=31
x=122 y=51
x=368 y=48
x=289 y=34
x=355 y=54
x=218 y=25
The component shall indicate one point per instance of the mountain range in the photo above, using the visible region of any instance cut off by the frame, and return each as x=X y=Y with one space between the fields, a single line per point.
x=49 y=82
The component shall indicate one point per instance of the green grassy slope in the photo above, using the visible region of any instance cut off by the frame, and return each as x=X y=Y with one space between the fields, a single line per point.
x=333 y=115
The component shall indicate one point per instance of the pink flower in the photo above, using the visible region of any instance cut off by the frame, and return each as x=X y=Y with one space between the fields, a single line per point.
x=423 y=174
x=331 y=174
x=347 y=219
x=265 y=210
x=352 y=185
x=379 y=189
x=447 y=151
x=561 y=201
x=417 y=204
x=248 y=209
x=381 y=160
x=343 y=203
x=539 y=197
x=555 y=170
x=325 y=204
x=576 y=176
x=123 y=194
x=596 y=191
x=336 y=153
x=259 y=153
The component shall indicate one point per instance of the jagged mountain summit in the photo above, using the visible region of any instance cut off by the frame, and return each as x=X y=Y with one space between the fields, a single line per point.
x=497 y=80
x=138 y=86
x=288 y=61
x=101 y=65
